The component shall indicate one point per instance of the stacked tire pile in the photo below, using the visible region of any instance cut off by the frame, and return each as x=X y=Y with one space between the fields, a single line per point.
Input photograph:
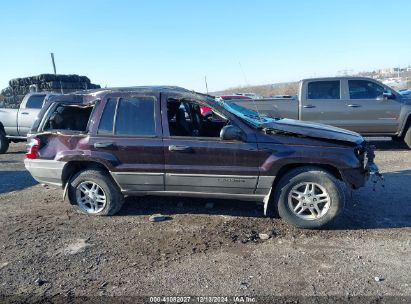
x=19 y=87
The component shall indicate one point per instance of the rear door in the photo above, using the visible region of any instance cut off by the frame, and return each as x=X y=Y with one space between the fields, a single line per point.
x=129 y=137
x=321 y=102
x=28 y=112
x=371 y=112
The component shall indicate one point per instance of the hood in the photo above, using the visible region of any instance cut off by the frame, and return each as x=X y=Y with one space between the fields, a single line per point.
x=406 y=99
x=313 y=130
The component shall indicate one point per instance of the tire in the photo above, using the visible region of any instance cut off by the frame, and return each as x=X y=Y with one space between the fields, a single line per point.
x=114 y=199
x=407 y=138
x=324 y=186
x=4 y=143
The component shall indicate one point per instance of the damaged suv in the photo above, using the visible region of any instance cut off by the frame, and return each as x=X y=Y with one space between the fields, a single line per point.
x=102 y=145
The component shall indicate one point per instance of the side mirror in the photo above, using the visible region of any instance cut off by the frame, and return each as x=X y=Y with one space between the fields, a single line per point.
x=231 y=132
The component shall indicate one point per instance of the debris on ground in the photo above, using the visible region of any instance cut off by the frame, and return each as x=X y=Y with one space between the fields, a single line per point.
x=78 y=246
x=157 y=218
x=252 y=236
x=39 y=282
x=263 y=236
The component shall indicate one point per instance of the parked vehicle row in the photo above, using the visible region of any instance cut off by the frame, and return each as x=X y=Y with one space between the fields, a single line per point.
x=16 y=123
x=101 y=145
x=359 y=104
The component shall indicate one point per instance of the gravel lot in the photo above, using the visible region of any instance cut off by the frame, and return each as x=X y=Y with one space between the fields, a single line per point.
x=201 y=251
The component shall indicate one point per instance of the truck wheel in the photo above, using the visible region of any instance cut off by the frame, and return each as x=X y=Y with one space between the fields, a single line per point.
x=93 y=192
x=4 y=143
x=407 y=138
x=309 y=197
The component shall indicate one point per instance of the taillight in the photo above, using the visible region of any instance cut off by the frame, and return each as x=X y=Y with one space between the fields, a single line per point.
x=33 y=148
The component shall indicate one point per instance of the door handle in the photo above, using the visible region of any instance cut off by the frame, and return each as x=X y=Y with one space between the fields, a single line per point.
x=24 y=113
x=309 y=106
x=182 y=149
x=354 y=105
x=104 y=145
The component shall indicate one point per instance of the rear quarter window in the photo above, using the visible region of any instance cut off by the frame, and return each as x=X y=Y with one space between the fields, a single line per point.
x=106 y=125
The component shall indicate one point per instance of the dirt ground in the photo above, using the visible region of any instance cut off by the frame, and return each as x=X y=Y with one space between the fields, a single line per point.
x=48 y=250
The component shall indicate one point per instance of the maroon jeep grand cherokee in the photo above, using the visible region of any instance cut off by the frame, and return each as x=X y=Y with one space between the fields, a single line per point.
x=101 y=145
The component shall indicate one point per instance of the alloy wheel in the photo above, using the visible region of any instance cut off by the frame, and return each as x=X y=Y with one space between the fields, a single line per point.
x=309 y=201
x=90 y=197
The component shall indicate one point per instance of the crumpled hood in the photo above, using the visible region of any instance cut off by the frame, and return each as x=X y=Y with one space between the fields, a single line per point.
x=313 y=130
x=406 y=99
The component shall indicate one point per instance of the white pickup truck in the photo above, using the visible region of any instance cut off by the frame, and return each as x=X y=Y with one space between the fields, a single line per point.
x=16 y=123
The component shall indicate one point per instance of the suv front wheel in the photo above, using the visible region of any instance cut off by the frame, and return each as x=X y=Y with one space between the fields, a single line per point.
x=93 y=192
x=309 y=197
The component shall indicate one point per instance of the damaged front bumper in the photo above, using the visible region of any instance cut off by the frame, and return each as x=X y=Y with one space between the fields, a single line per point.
x=370 y=166
x=358 y=177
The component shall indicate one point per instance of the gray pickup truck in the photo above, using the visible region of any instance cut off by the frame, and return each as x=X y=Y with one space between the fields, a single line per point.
x=16 y=123
x=359 y=104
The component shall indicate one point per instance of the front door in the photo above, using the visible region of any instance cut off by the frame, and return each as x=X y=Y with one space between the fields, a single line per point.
x=129 y=137
x=369 y=110
x=197 y=160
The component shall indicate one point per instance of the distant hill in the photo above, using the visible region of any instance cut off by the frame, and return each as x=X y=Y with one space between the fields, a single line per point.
x=285 y=88
x=291 y=88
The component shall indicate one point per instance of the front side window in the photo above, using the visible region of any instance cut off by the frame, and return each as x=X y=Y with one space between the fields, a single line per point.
x=363 y=89
x=193 y=119
x=324 y=90
x=35 y=102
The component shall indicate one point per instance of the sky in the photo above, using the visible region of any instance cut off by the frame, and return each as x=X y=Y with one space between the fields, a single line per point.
x=172 y=42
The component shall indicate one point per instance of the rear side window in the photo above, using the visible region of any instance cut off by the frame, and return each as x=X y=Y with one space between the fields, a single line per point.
x=35 y=102
x=107 y=118
x=135 y=116
x=324 y=90
x=363 y=89
x=128 y=117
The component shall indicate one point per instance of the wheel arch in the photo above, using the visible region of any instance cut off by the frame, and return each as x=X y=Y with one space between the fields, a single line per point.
x=75 y=166
x=2 y=130
x=407 y=125
x=287 y=168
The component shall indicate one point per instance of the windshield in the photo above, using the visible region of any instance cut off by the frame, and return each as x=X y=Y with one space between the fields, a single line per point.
x=250 y=116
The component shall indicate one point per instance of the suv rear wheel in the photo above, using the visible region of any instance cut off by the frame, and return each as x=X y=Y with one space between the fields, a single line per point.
x=93 y=192
x=4 y=143
x=309 y=197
